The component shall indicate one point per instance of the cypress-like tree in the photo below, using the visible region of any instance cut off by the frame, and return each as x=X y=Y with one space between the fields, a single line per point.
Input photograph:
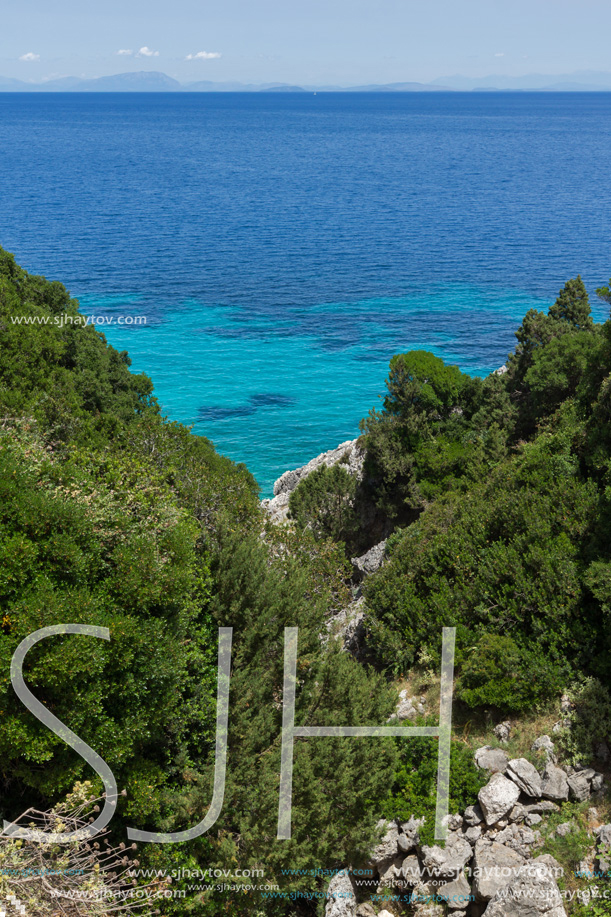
x=573 y=305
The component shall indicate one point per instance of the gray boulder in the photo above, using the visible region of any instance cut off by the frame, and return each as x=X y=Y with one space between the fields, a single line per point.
x=410 y=870
x=579 y=786
x=525 y=776
x=473 y=815
x=369 y=562
x=446 y=862
x=494 y=866
x=519 y=838
x=407 y=707
x=405 y=843
x=588 y=772
x=454 y=822
x=341 y=900
x=533 y=892
x=388 y=871
x=533 y=818
x=497 y=798
x=603 y=848
x=411 y=830
x=598 y=783
x=491 y=759
x=518 y=813
x=387 y=850
x=277 y=508
x=564 y=829
x=554 y=784
x=365 y=910
x=544 y=744
x=347 y=626
x=542 y=807
x=472 y=835
x=456 y=893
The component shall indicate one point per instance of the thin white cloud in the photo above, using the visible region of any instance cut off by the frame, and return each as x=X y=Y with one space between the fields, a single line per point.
x=30 y=56
x=500 y=54
x=125 y=52
x=146 y=52
x=204 y=55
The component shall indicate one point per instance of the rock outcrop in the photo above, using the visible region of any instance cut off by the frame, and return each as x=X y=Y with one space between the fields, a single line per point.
x=370 y=562
x=533 y=891
x=603 y=849
x=347 y=625
x=408 y=708
x=348 y=454
x=341 y=896
x=503 y=731
x=494 y=866
x=555 y=784
x=526 y=776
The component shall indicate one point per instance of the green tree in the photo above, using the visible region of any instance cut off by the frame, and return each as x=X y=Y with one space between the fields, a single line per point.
x=422 y=384
x=556 y=372
x=573 y=305
x=604 y=293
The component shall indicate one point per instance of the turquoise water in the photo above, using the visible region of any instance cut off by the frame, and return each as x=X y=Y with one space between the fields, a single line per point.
x=274 y=398
x=284 y=246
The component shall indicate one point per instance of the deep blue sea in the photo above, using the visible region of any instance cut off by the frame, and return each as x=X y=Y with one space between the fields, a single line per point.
x=283 y=247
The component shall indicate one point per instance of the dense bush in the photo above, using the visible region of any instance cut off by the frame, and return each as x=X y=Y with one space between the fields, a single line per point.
x=588 y=721
x=414 y=790
x=496 y=672
x=324 y=503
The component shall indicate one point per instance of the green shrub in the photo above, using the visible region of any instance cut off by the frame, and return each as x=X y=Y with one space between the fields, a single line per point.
x=414 y=788
x=499 y=673
x=588 y=722
x=324 y=503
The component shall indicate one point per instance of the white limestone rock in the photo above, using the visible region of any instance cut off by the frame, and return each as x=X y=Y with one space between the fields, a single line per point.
x=497 y=798
x=525 y=776
x=494 y=866
x=341 y=900
x=491 y=759
x=533 y=892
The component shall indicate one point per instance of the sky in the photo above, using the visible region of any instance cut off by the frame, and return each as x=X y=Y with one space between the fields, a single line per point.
x=304 y=41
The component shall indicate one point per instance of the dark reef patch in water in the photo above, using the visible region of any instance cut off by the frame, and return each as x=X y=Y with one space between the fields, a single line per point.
x=255 y=402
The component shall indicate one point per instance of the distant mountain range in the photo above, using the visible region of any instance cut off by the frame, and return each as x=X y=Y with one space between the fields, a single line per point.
x=581 y=81
x=154 y=81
